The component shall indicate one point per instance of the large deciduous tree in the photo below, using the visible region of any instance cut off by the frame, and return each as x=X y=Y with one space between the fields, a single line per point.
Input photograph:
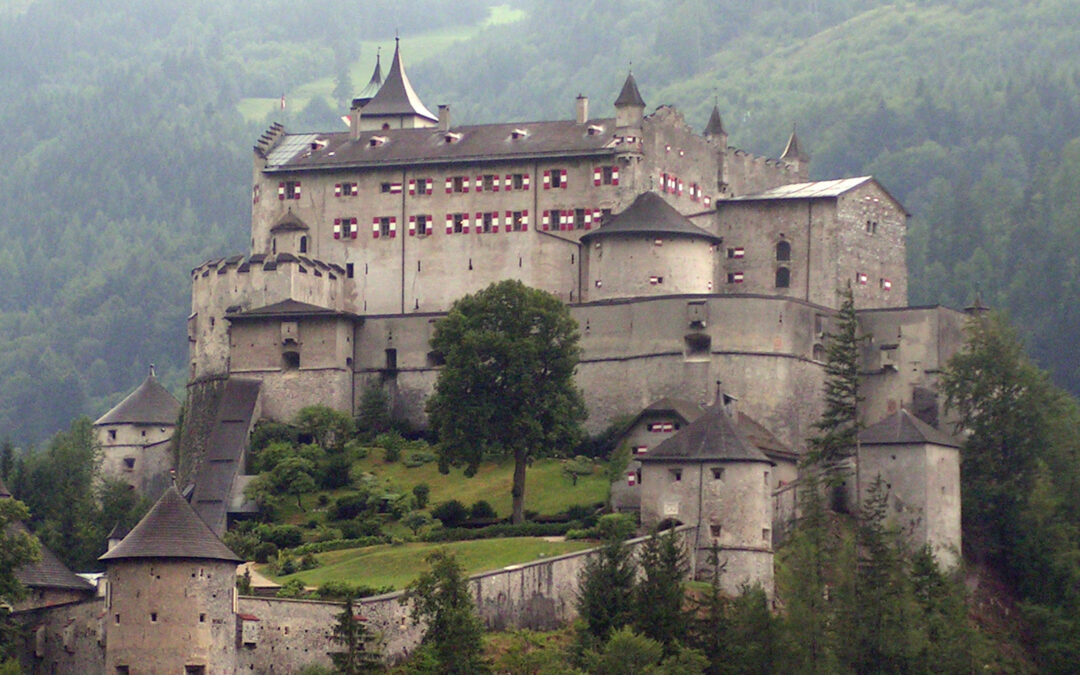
x=507 y=386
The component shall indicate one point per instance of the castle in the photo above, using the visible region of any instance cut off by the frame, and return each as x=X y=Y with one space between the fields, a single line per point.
x=686 y=263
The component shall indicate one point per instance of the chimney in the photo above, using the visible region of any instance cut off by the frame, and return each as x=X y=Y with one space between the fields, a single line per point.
x=582 y=109
x=444 y=117
x=354 y=118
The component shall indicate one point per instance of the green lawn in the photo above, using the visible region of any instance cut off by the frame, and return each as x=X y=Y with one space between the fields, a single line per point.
x=547 y=491
x=396 y=566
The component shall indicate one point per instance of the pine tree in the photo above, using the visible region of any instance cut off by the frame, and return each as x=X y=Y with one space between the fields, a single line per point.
x=838 y=428
x=605 y=599
x=350 y=632
x=659 y=596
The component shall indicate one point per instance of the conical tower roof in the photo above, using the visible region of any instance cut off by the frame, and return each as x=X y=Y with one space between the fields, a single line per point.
x=903 y=428
x=396 y=96
x=715 y=127
x=794 y=151
x=629 y=94
x=650 y=215
x=372 y=87
x=150 y=403
x=712 y=437
x=171 y=529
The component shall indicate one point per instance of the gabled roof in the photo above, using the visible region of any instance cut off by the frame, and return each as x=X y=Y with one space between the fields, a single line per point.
x=903 y=428
x=763 y=439
x=715 y=127
x=171 y=529
x=287 y=309
x=48 y=572
x=428 y=145
x=710 y=438
x=629 y=96
x=150 y=403
x=290 y=222
x=651 y=215
x=687 y=410
x=396 y=96
x=794 y=151
x=820 y=189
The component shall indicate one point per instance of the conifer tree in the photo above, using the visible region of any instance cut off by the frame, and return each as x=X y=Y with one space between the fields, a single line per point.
x=659 y=595
x=350 y=632
x=838 y=427
x=605 y=599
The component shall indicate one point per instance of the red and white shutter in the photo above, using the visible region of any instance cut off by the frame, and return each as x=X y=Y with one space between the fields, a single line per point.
x=525 y=182
x=412 y=226
x=412 y=186
x=597 y=214
x=465 y=224
x=395 y=188
x=597 y=176
x=337 y=189
x=524 y=221
x=547 y=180
x=296 y=192
x=375 y=228
x=614 y=175
x=449 y=223
x=337 y=228
x=508 y=221
x=430 y=185
x=631 y=478
x=707 y=200
x=495 y=183
x=588 y=219
x=479 y=223
x=393 y=226
x=679 y=188
x=479 y=183
x=563 y=184
x=508 y=182
x=546 y=220
x=354 y=230
x=449 y=185
x=430 y=226
x=281 y=190
x=495 y=221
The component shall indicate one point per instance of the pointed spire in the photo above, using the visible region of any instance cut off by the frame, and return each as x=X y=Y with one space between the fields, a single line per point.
x=396 y=96
x=793 y=151
x=376 y=80
x=715 y=127
x=629 y=96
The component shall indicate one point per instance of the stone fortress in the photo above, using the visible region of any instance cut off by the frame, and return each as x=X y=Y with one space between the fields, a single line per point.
x=704 y=280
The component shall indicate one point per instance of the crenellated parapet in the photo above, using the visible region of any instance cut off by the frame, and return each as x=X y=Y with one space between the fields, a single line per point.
x=239 y=283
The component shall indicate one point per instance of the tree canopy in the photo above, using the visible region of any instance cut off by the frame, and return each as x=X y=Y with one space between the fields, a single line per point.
x=507 y=386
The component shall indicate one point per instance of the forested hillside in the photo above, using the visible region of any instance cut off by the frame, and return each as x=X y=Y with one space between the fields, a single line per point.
x=127 y=129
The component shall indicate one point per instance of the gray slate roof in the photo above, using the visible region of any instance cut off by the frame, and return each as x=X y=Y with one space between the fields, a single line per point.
x=651 y=215
x=903 y=428
x=794 y=149
x=710 y=438
x=171 y=529
x=629 y=95
x=48 y=572
x=715 y=127
x=396 y=95
x=373 y=85
x=290 y=222
x=428 y=145
x=287 y=309
x=150 y=403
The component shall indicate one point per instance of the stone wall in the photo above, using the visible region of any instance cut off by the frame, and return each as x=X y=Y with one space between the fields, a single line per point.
x=64 y=639
x=200 y=410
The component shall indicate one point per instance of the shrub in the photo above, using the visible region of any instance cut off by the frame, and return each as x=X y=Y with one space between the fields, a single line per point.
x=419 y=458
x=349 y=506
x=482 y=510
x=336 y=472
x=450 y=513
x=324 y=500
x=373 y=416
x=283 y=536
x=265 y=552
x=285 y=565
x=293 y=588
x=242 y=543
x=415 y=521
x=616 y=526
x=326 y=533
x=421 y=491
x=361 y=527
x=584 y=513
x=308 y=562
x=339 y=590
x=355 y=450
x=266 y=432
x=338 y=544
x=330 y=428
x=496 y=531
x=392 y=444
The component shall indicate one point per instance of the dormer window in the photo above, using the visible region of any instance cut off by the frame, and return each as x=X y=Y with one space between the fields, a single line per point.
x=376 y=141
x=451 y=137
x=518 y=134
x=595 y=129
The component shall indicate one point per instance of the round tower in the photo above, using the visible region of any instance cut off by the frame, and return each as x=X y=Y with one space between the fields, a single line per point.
x=170 y=606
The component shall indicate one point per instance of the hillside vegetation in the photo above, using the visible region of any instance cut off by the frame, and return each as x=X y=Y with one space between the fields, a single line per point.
x=127 y=128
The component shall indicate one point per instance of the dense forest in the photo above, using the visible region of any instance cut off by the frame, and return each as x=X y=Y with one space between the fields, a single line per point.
x=127 y=128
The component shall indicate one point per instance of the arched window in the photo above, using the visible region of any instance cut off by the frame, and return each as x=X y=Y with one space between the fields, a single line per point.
x=783 y=251
x=303 y=244
x=783 y=277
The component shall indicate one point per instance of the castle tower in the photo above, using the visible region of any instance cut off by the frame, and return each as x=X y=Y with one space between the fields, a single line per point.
x=920 y=468
x=710 y=475
x=629 y=106
x=396 y=105
x=714 y=129
x=135 y=436
x=170 y=606
x=649 y=249
x=796 y=157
